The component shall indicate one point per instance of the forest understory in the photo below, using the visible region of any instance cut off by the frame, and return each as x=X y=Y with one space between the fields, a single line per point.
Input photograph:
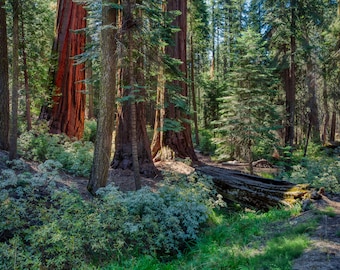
x=324 y=250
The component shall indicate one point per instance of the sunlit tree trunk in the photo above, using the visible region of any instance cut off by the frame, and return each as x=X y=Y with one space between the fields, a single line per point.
x=68 y=111
x=107 y=96
x=13 y=140
x=4 y=87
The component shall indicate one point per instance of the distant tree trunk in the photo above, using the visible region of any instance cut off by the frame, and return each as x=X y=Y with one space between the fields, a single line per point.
x=333 y=127
x=25 y=68
x=312 y=102
x=68 y=113
x=326 y=110
x=13 y=139
x=175 y=143
x=291 y=87
x=107 y=96
x=193 y=93
x=4 y=87
x=132 y=145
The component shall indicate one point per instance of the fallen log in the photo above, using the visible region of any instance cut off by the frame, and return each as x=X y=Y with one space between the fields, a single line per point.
x=254 y=191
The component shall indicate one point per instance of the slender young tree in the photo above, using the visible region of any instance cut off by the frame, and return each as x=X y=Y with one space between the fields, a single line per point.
x=68 y=112
x=107 y=96
x=13 y=139
x=4 y=87
x=25 y=69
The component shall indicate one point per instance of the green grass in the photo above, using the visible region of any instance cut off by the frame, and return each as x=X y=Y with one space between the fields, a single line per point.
x=245 y=240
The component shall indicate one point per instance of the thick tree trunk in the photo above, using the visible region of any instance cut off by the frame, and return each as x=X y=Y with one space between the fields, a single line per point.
x=177 y=142
x=107 y=96
x=132 y=145
x=123 y=158
x=253 y=191
x=68 y=113
x=4 y=86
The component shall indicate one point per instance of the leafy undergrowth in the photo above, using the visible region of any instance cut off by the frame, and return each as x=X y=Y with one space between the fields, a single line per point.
x=46 y=226
x=245 y=240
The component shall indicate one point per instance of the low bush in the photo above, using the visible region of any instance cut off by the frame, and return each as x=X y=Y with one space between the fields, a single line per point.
x=38 y=145
x=45 y=225
x=319 y=172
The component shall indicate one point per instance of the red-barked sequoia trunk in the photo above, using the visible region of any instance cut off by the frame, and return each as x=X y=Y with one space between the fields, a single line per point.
x=68 y=112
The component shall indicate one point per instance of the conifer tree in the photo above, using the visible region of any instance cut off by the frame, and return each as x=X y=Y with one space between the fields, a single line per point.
x=247 y=113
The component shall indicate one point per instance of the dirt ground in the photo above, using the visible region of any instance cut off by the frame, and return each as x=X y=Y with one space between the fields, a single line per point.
x=324 y=252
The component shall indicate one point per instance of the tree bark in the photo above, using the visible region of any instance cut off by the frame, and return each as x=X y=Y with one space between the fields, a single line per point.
x=4 y=86
x=166 y=141
x=13 y=137
x=326 y=110
x=107 y=96
x=132 y=145
x=253 y=191
x=68 y=113
x=333 y=127
x=89 y=84
x=193 y=93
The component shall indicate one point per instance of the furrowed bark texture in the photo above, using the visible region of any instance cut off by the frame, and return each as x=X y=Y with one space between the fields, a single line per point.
x=107 y=96
x=68 y=113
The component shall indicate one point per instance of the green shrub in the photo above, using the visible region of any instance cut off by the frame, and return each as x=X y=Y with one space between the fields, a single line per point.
x=38 y=145
x=319 y=172
x=48 y=227
x=90 y=130
x=207 y=147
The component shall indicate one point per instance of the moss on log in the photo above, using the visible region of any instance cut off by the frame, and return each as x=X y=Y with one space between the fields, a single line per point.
x=254 y=191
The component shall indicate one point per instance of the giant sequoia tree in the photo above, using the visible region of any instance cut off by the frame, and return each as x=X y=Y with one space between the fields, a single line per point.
x=170 y=139
x=68 y=111
x=132 y=145
x=4 y=88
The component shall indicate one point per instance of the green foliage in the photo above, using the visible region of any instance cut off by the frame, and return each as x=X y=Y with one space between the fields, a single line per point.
x=207 y=147
x=320 y=168
x=90 y=130
x=75 y=156
x=319 y=172
x=245 y=240
x=47 y=227
x=248 y=114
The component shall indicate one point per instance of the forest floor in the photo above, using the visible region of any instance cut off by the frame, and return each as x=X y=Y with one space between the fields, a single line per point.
x=324 y=251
